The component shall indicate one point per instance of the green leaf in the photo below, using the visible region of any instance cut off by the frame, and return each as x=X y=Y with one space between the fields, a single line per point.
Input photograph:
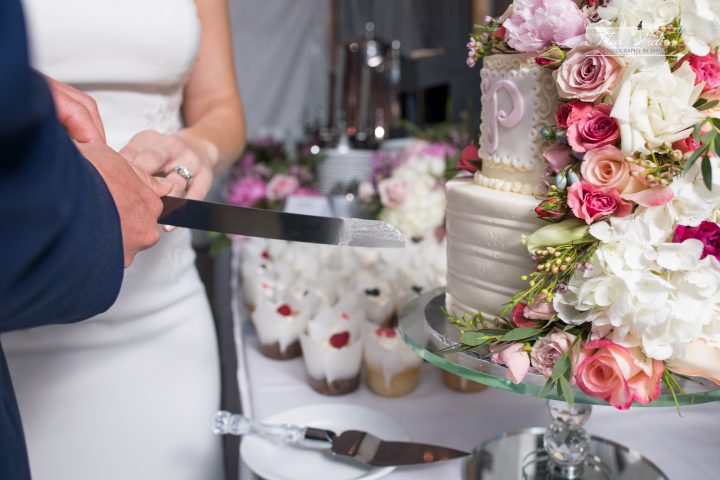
x=706 y=168
x=707 y=105
x=568 y=327
x=693 y=158
x=567 y=391
x=475 y=339
x=714 y=146
x=561 y=364
x=522 y=333
x=546 y=389
x=496 y=332
x=708 y=137
x=696 y=133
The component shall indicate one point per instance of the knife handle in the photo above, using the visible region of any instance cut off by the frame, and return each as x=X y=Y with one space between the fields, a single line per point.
x=226 y=423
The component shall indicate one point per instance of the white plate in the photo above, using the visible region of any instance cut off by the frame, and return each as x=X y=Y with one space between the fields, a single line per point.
x=278 y=462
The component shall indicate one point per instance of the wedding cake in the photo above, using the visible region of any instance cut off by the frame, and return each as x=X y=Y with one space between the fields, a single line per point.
x=488 y=214
x=602 y=119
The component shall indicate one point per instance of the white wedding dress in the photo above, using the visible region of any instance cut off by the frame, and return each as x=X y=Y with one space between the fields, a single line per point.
x=130 y=394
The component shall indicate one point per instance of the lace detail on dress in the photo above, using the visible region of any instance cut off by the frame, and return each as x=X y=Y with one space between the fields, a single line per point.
x=164 y=115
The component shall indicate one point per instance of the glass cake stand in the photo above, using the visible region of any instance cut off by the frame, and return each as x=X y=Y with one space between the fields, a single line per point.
x=562 y=451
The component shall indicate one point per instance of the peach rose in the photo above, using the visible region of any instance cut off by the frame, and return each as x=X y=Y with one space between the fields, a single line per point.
x=617 y=374
x=605 y=167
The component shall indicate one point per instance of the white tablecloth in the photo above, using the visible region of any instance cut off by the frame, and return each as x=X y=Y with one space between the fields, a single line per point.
x=686 y=447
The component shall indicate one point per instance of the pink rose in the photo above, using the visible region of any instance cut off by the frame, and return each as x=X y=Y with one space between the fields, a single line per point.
x=594 y=129
x=516 y=359
x=686 y=145
x=591 y=203
x=246 y=191
x=394 y=191
x=587 y=74
x=519 y=319
x=536 y=24
x=707 y=232
x=605 y=167
x=469 y=159
x=617 y=374
x=570 y=112
x=548 y=349
x=282 y=186
x=707 y=69
x=558 y=156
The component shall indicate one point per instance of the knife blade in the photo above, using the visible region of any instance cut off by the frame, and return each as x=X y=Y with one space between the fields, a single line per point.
x=254 y=222
x=362 y=447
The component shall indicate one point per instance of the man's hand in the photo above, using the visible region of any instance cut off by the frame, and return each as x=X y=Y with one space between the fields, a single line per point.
x=77 y=112
x=136 y=194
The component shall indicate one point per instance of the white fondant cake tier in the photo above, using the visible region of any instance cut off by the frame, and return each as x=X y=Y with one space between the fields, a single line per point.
x=486 y=257
x=518 y=99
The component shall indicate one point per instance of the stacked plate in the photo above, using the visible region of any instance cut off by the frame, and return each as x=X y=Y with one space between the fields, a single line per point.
x=342 y=168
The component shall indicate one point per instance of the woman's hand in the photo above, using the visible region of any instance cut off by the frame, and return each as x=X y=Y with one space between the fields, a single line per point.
x=161 y=155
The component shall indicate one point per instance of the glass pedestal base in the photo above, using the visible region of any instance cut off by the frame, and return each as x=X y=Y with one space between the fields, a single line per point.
x=520 y=455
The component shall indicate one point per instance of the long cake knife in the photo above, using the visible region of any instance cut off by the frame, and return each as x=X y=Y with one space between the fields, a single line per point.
x=253 y=222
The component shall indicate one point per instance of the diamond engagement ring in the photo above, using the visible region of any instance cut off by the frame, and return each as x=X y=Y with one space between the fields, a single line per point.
x=184 y=172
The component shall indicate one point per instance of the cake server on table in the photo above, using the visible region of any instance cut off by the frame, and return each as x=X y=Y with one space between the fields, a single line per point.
x=613 y=140
x=358 y=446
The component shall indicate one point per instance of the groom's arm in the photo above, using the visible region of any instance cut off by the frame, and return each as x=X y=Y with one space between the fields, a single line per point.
x=61 y=250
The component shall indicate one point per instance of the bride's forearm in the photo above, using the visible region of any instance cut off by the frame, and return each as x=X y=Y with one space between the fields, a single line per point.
x=212 y=108
x=224 y=128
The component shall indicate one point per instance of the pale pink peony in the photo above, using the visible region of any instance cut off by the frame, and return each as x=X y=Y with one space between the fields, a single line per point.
x=617 y=374
x=605 y=167
x=536 y=24
x=596 y=128
x=548 y=349
x=590 y=203
x=587 y=74
x=394 y=192
x=516 y=359
x=282 y=186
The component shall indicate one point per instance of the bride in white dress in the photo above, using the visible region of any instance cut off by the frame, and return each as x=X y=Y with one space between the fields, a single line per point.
x=130 y=394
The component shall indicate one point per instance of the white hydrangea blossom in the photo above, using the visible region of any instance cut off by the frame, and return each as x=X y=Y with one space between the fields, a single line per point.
x=652 y=292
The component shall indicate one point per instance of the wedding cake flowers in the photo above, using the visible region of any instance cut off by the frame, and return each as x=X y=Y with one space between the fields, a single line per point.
x=626 y=289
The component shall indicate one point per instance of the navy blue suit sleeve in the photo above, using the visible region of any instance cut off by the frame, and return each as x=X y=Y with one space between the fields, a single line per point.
x=61 y=257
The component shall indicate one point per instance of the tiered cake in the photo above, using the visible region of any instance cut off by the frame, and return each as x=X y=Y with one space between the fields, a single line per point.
x=487 y=215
